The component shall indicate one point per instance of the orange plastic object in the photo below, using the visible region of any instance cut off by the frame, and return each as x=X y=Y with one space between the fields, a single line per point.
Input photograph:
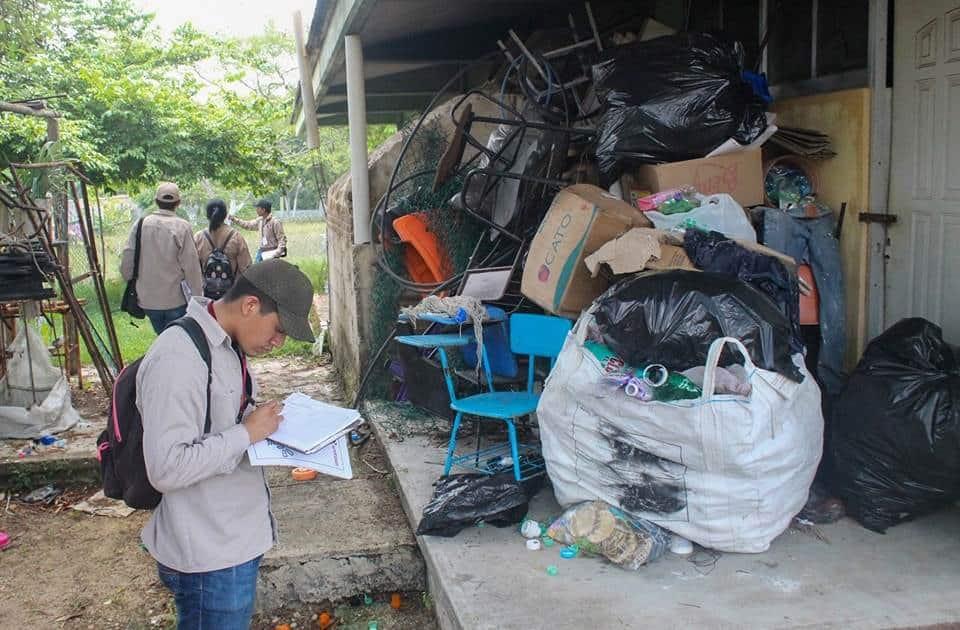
x=282 y=626
x=303 y=474
x=325 y=621
x=809 y=304
x=425 y=260
x=395 y=601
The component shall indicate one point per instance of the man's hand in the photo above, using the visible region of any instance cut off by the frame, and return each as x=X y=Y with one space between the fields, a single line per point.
x=263 y=422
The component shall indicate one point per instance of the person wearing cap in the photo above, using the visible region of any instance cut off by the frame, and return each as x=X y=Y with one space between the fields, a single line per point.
x=169 y=262
x=214 y=523
x=273 y=241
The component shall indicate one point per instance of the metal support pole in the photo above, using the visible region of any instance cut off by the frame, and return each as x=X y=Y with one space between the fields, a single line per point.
x=357 y=120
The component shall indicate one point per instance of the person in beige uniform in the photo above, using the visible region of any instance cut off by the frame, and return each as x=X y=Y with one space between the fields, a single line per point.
x=273 y=242
x=168 y=261
x=214 y=524
x=224 y=238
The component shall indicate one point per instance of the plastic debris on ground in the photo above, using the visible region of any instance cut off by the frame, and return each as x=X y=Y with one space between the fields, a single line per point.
x=46 y=495
x=100 y=505
x=896 y=427
x=463 y=500
x=598 y=529
x=672 y=317
x=673 y=98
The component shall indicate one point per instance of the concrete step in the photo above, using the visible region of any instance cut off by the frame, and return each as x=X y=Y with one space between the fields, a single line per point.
x=338 y=539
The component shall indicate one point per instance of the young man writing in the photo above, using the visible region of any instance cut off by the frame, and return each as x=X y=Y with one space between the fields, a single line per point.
x=214 y=523
x=273 y=242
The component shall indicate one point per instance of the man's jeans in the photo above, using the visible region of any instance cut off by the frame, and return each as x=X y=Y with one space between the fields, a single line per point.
x=811 y=241
x=161 y=319
x=215 y=600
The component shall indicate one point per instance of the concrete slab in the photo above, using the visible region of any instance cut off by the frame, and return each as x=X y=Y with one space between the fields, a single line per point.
x=851 y=578
x=338 y=539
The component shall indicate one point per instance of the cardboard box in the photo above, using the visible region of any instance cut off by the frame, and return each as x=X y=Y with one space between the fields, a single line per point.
x=581 y=219
x=738 y=174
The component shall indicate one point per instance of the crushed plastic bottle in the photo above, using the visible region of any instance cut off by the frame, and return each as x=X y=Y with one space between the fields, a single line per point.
x=671 y=201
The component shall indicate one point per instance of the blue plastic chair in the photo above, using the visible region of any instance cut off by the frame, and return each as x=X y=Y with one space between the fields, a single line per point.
x=537 y=336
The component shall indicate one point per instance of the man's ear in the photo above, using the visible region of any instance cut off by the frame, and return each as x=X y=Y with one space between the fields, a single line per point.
x=250 y=305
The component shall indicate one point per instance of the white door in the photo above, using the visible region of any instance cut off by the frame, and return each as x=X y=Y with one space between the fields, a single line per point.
x=923 y=271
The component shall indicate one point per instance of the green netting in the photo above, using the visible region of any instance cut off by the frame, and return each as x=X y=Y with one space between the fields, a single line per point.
x=456 y=232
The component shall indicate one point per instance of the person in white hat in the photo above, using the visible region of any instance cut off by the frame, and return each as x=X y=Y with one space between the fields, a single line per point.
x=169 y=265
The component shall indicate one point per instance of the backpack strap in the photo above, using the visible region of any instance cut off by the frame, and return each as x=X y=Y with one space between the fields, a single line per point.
x=199 y=339
x=206 y=233
x=223 y=247
x=136 y=252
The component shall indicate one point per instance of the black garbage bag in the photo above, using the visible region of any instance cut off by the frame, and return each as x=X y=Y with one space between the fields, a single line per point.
x=673 y=98
x=712 y=251
x=896 y=428
x=463 y=500
x=672 y=317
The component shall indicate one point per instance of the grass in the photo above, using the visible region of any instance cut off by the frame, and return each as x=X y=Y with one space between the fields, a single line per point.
x=305 y=246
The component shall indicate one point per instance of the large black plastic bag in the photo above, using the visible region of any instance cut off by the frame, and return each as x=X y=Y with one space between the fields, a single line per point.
x=896 y=427
x=673 y=98
x=460 y=501
x=672 y=317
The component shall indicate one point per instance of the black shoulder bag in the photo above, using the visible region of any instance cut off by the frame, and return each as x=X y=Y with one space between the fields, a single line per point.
x=130 y=304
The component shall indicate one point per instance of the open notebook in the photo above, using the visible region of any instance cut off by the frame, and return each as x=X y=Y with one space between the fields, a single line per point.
x=333 y=459
x=309 y=425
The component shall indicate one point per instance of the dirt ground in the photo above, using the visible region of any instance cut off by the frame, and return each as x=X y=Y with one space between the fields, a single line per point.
x=66 y=569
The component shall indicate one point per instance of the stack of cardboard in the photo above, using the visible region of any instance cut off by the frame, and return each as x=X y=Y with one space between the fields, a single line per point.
x=808 y=143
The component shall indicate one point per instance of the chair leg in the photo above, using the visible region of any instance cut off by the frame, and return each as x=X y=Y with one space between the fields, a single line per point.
x=514 y=450
x=448 y=463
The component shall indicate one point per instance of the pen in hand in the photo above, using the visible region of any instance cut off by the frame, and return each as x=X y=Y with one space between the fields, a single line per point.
x=263 y=421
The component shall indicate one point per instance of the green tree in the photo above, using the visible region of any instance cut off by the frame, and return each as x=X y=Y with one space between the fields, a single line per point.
x=138 y=109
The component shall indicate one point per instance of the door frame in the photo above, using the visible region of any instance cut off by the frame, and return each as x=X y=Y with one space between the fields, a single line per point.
x=880 y=73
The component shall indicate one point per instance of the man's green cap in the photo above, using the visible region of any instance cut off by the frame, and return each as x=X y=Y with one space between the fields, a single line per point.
x=290 y=288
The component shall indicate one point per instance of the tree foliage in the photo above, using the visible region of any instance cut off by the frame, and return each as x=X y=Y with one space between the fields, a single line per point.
x=210 y=113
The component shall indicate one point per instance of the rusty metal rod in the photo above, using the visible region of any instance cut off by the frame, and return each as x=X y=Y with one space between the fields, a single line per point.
x=101 y=289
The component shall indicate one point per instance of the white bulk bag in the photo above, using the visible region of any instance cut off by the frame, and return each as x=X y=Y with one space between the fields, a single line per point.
x=727 y=472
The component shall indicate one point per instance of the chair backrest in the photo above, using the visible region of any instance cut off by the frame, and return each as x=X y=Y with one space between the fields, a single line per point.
x=537 y=336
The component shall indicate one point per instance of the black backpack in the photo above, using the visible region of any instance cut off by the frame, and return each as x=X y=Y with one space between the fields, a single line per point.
x=218 y=274
x=120 y=446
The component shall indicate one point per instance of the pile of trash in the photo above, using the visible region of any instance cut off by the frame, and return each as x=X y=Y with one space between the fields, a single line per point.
x=630 y=188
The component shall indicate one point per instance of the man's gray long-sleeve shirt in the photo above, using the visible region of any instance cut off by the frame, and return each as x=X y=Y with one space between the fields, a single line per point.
x=168 y=256
x=215 y=511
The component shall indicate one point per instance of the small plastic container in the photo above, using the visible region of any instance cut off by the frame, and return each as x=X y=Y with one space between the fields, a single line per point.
x=533 y=544
x=395 y=601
